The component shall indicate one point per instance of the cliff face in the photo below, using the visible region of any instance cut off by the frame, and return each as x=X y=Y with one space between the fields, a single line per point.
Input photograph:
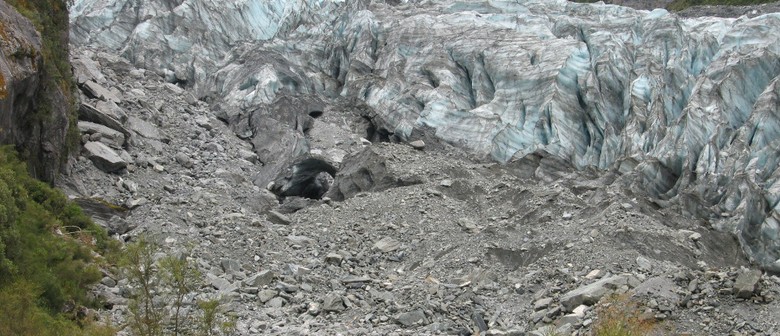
x=34 y=102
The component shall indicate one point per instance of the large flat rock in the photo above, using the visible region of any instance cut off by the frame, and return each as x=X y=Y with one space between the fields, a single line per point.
x=104 y=157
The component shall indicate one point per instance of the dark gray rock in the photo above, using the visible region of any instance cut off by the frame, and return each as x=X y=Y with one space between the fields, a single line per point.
x=411 y=318
x=333 y=303
x=368 y=170
x=262 y=278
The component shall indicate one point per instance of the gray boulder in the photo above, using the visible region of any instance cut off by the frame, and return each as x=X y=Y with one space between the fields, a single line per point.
x=104 y=157
x=592 y=293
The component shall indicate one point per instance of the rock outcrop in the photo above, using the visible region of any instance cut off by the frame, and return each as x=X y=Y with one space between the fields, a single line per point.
x=685 y=109
x=33 y=109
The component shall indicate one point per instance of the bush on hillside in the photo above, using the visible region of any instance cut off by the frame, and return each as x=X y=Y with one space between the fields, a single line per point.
x=46 y=255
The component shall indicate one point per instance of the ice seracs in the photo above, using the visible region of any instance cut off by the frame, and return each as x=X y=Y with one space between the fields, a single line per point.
x=685 y=107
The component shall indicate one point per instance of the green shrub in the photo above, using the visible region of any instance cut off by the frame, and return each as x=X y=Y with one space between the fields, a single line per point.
x=619 y=315
x=159 y=288
x=45 y=265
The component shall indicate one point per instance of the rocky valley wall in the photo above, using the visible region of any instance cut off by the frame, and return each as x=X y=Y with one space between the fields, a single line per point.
x=36 y=102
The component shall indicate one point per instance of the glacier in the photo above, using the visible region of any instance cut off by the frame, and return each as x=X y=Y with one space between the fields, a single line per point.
x=687 y=110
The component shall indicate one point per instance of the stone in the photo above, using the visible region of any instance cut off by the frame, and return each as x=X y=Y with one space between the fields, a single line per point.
x=314 y=309
x=118 y=225
x=276 y=302
x=387 y=244
x=278 y=218
x=468 y=225
x=658 y=288
x=266 y=295
x=97 y=91
x=174 y=88
x=595 y=274
x=85 y=69
x=580 y=310
x=144 y=128
x=108 y=281
x=418 y=144
x=133 y=203
x=262 y=278
x=570 y=319
x=355 y=279
x=111 y=109
x=286 y=287
x=542 y=303
x=592 y=293
x=334 y=259
x=333 y=303
x=747 y=283
x=104 y=157
x=103 y=117
x=300 y=240
x=411 y=318
x=108 y=135
x=644 y=264
x=184 y=160
x=230 y=266
x=248 y=155
x=221 y=284
x=204 y=122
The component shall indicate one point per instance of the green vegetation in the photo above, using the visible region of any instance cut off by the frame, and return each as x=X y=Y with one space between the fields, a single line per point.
x=160 y=288
x=46 y=256
x=619 y=315
x=679 y=5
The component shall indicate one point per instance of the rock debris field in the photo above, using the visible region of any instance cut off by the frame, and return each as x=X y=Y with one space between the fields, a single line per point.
x=416 y=235
x=448 y=245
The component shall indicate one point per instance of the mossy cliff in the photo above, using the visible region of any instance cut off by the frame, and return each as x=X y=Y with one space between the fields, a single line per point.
x=47 y=245
x=37 y=100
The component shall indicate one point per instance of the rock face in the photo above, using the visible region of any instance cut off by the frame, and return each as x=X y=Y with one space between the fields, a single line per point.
x=37 y=127
x=684 y=109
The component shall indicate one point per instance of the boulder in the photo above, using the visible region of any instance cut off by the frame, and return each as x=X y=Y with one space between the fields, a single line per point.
x=144 y=128
x=104 y=157
x=109 y=136
x=85 y=69
x=369 y=170
x=592 y=293
x=106 y=118
x=97 y=91
x=747 y=283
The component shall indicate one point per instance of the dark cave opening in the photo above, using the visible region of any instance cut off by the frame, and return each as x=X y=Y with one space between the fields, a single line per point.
x=374 y=133
x=311 y=178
